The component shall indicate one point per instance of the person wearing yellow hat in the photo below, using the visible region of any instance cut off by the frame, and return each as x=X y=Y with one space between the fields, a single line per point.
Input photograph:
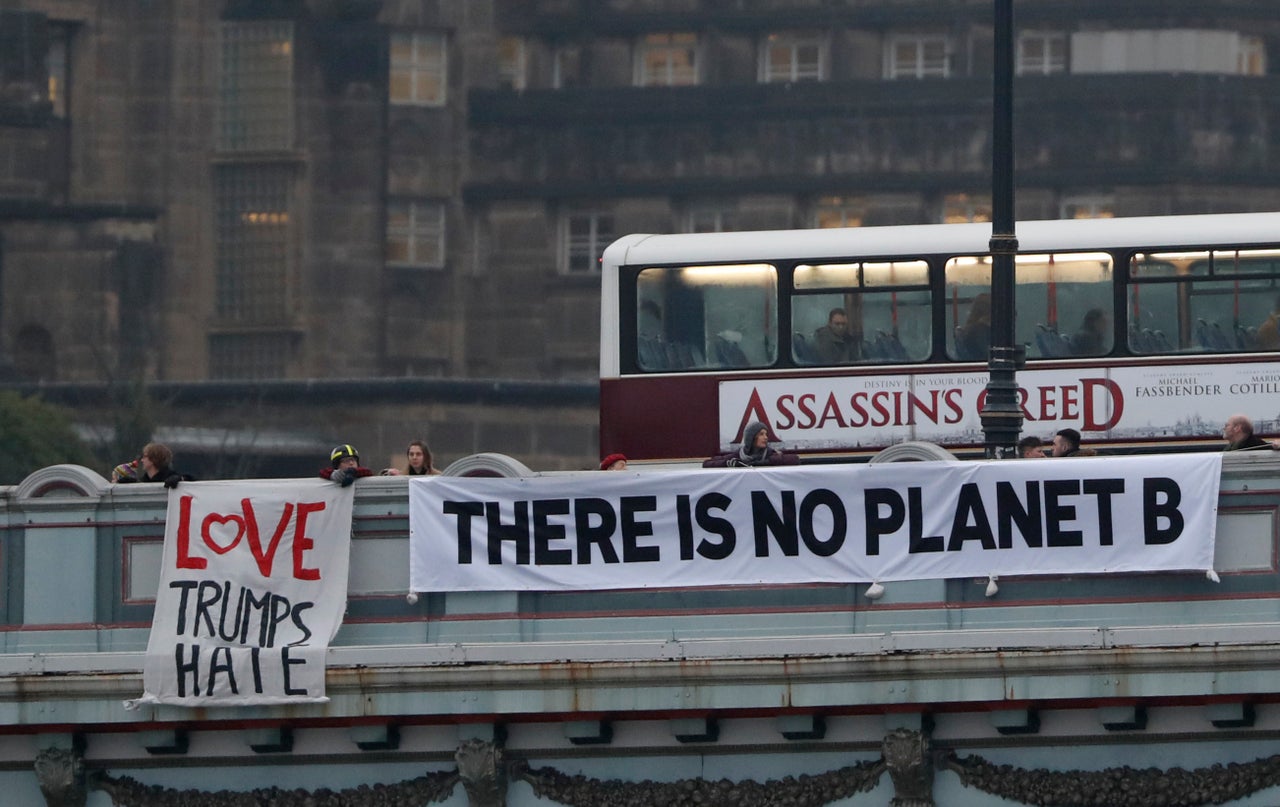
x=344 y=466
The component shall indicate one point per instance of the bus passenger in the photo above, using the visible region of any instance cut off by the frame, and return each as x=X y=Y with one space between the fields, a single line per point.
x=1091 y=339
x=973 y=339
x=755 y=451
x=834 y=342
x=1268 y=335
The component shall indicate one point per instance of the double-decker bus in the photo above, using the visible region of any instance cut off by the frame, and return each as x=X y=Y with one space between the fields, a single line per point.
x=1141 y=333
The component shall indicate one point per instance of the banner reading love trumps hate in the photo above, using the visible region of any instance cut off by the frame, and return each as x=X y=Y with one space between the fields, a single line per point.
x=252 y=590
x=830 y=523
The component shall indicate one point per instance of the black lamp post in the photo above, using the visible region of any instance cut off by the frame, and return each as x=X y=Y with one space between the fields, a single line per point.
x=1002 y=413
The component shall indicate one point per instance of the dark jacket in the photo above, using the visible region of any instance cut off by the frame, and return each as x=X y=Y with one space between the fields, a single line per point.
x=750 y=457
x=345 y=478
x=1250 y=443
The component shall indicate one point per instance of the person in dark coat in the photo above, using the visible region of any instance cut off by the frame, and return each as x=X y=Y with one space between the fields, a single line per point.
x=1066 y=443
x=1238 y=432
x=755 y=452
x=155 y=464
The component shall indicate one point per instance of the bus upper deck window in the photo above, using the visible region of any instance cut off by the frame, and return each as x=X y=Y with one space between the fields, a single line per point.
x=706 y=317
x=1063 y=303
x=861 y=313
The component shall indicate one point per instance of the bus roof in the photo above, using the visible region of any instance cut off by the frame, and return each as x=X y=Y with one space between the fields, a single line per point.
x=931 y=239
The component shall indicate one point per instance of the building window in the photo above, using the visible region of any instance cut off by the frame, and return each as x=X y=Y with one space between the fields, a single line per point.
x=566 y=65
x=793 y=57
x=512 y=63
x=585 y=234
x=1087 y=207
x=256 y=86
x=254 y=206
x=1041 y=53
x=1253 y=56
x=918 y=57
x=840 y=211
x=418 y=69
x=250 y=355
x=961 y=207
x=667 y=60
x=415 y=234
x=58 y=67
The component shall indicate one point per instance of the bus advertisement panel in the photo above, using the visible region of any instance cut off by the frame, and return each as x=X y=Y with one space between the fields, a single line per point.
x=1125 y=403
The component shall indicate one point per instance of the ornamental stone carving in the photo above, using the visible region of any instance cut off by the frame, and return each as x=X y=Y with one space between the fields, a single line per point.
x=60 y=772
x=800 y=791
x=906 y=755
x=1119 y=787
x=483 y=775
x=429 y=789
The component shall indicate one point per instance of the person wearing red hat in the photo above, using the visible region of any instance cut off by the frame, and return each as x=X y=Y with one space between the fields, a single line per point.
x=614 y=462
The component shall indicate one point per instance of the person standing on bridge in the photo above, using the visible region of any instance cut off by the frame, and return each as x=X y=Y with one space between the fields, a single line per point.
x=1238 y=432
x=345 y=467
x=755 y=452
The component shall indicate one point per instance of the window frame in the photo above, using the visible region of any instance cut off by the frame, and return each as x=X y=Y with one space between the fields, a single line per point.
x=1045 y=65
x=256 y=108
x=669 y=43
x=420 y=68
x=918 y=68
x=793 y=41
x=427 y=223
x=572 y=253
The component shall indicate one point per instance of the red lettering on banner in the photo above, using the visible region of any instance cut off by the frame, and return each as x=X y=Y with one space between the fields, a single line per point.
x=302 y=542
x=221 y=533
x=185 y=560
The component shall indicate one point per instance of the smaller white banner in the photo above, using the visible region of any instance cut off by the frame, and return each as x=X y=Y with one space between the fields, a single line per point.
x=833 y=523
x=252 y=590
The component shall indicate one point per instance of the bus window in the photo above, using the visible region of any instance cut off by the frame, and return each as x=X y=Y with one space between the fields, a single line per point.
x=861 y=313
x=1063 y=305
x=1202 y=301
x=1153 y=307
x=968 y=307
x=703 y=317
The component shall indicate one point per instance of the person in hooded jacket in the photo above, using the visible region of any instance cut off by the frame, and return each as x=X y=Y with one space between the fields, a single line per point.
x=755 y=452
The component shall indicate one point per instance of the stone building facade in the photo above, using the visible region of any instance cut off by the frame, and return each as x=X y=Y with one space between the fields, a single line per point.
x=335 y=189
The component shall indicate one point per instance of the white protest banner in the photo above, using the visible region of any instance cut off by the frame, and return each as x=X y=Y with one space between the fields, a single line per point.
x=252 y=590
x=830 y=523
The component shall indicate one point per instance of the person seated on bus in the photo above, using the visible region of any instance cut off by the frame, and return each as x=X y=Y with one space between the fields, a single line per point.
x=973 y=339
x=834 y=342
x=1267 y=336
x=1092 y=338
x=755 y=451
